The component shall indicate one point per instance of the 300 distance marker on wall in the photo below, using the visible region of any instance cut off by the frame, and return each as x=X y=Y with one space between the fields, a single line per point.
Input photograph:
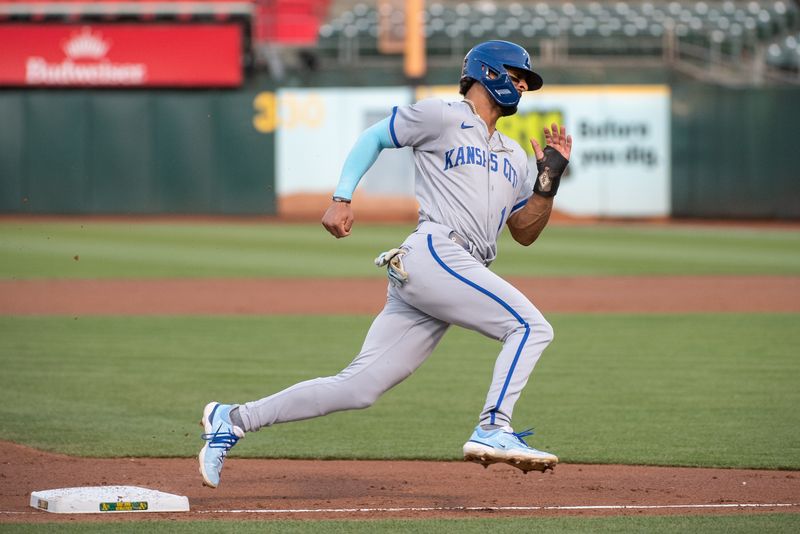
x=287 y=111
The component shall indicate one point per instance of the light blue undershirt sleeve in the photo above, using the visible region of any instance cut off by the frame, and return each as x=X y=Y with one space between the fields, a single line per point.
x=362 y=156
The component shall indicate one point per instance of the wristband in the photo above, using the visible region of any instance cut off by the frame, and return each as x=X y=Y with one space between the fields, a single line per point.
x=341 y=199
x=550 y=168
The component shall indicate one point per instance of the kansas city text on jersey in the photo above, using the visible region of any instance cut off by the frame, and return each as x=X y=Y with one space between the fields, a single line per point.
x=473 y=155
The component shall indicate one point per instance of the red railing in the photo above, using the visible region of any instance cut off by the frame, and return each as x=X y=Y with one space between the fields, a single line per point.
x=292 y=22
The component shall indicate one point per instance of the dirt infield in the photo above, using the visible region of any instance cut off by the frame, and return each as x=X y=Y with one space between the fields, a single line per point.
x=281 y=489
x=299 y=296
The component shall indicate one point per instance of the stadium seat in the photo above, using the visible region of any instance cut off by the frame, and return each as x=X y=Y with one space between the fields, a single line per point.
x=607 y=27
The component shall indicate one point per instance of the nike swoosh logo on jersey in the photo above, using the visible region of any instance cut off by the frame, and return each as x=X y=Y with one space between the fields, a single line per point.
x=465 y=126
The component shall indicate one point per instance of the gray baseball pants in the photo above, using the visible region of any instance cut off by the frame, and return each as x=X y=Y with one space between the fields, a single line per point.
x=446 y=286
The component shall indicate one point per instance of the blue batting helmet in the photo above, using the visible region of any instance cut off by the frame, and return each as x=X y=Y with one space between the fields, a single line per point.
x=495 y=57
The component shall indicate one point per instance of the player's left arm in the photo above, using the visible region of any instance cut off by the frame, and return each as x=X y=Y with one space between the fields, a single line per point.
x=528 y=222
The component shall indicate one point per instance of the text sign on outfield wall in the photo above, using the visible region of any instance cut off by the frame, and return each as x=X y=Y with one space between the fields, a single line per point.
x=620 y=164
x=121 y=55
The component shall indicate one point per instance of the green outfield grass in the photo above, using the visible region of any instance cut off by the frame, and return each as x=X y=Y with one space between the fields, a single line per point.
x=695 y=390
x=226 y=249
x=725 y=524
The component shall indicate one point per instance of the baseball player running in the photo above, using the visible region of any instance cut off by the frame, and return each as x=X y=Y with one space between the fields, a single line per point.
x=470 y=181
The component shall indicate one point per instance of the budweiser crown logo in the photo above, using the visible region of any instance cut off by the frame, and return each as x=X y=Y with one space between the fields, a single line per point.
x=86 y=45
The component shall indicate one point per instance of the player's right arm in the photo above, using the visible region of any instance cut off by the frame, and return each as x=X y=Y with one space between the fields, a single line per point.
x=338 y=218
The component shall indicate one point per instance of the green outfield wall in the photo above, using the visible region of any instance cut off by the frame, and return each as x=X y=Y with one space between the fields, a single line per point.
x=137 y=152
x=213 y=151
x=734 y=152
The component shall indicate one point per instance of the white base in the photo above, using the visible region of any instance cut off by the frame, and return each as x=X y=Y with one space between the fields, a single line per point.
x=107 y=499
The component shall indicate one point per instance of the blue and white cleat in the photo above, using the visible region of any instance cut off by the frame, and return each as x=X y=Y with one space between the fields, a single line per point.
x=221 y=435
x=503 y=445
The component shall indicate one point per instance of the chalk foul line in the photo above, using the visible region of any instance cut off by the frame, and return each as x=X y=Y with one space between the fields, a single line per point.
x=493 y=508
x=470 y=508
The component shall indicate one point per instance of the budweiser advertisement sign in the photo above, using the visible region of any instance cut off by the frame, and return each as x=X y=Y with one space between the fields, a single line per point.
x=121 y=55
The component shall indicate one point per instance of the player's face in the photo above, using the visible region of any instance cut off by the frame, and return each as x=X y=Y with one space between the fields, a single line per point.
x=518 y=79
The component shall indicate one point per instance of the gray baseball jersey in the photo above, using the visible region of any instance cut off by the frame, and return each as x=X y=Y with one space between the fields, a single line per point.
x=465 y=179
x=468 y=183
